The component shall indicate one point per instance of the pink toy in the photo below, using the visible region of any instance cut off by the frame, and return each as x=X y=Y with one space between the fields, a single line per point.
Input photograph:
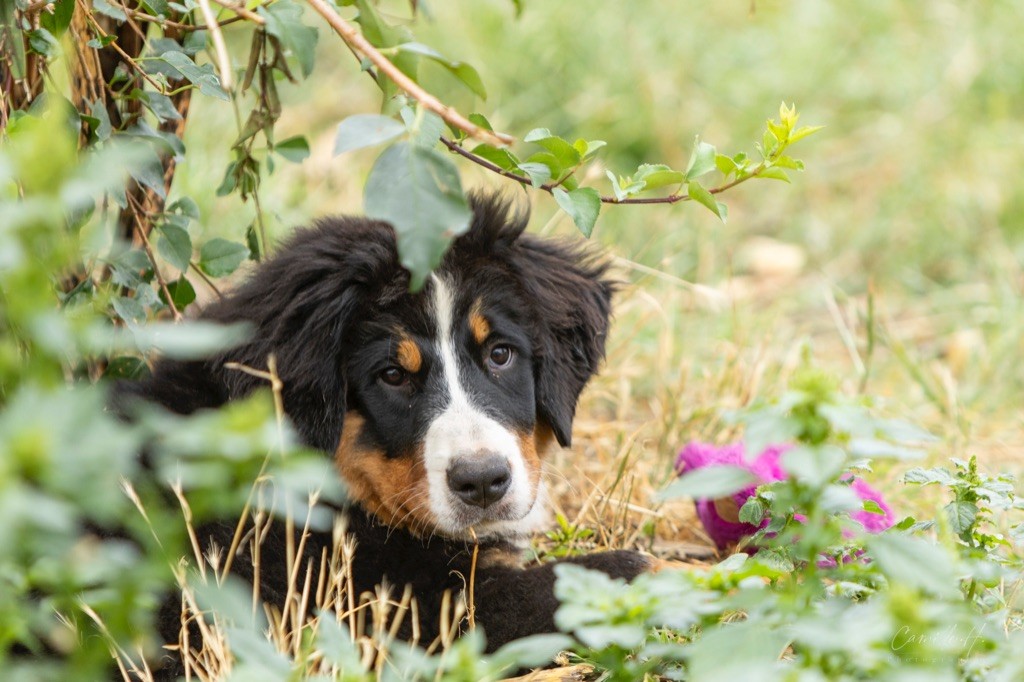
x=720 y=517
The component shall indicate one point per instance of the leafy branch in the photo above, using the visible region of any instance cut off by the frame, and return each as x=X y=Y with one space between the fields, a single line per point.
x=361 y=44
x=413 y=119
x=778 y=137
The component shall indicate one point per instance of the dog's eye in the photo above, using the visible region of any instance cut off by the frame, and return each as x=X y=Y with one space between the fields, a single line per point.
x=500 y=357
x=394 y=376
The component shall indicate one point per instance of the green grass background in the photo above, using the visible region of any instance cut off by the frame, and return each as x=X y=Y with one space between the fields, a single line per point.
x=912 y=190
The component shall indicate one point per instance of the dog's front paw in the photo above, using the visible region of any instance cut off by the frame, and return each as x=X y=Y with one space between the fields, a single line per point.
x=620 y=563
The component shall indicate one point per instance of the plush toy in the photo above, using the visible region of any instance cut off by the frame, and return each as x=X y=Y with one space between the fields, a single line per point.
x=720 y=517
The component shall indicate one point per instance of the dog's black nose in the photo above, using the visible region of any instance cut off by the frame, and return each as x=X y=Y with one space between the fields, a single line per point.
x=480 y=480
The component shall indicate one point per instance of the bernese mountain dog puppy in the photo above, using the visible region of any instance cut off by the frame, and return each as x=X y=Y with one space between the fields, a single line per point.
x=435 y=406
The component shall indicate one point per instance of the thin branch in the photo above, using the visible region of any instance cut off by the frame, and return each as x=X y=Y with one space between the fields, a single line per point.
x=242 y=11
x=202 y=275
x=176 y=24
x=490 y=166
x=117 y=48
x=223 y=60
x=358 y=42
x=37 y=6
x=152 y=259
x=549 y=187
x=130 y=21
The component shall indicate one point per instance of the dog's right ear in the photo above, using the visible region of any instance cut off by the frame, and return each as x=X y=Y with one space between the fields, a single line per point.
x=299 y=305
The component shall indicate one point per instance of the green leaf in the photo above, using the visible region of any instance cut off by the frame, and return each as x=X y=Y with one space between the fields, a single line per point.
x=698 y=193
x=161 y=105
x=779 y=131
x=201 y=76
x=255 y=656
x=99 y=43
x=182 y=293
x=769 y=143
x=736 y=651
x=425 y=127
x=753 y=511
x=801 y=133
x=186 y=206
x=42 y=42
x=567 y=155
x=774 y=173
x=284 y=22
x=962 y=515
x=417 y=190
x=58 y=22
x=99 y=113
x=158 y=7
x=252 y=240
x=539 y=173
x=295 y=149
x=702 y=159
x=175 y=246
x=920 y=476
x=334 y=640
x=150 y=173
x=1017 y=533
x=376 y=30
x=588 y=148
x=481 y=120
x=532 y=651
x=658 y=175
x=365 y=130
x=872 y=507
x=555 y=167
x=710 y=483
x=220 y=257
x=915 y=562
x=623 y=191
x=726 y=165
x=129 y=310
x=583 y=205
x=461 y=70
x=814 y=464
x=106 y=9
x=230 y=181
x=382 y=34
x=502 y=158
x=789 y=162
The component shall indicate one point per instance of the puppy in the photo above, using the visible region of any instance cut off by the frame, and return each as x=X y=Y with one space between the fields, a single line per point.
x=436 y=406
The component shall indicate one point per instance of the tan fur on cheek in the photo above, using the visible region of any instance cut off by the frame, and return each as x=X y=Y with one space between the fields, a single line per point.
x=478 y=324
x=533 y=445
x=392 y=489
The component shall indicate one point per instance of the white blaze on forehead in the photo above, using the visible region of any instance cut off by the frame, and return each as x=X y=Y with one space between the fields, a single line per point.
x=462 y=429
x=444 y=314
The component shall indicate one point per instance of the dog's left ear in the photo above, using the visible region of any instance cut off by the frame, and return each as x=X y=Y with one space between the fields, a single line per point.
x=572 y=298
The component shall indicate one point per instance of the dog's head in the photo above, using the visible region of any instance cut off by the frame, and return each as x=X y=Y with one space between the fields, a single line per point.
x=437 y=405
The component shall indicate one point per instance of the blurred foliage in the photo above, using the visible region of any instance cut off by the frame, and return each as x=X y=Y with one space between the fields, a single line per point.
x=86 y=563
x=814 y=597
x=114 y=213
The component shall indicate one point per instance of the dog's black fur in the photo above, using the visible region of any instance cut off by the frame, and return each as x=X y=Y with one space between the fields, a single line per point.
x=321 y=306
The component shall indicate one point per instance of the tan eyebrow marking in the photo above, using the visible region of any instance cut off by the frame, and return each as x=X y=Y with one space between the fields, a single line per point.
x=409 y=355
x=478 y=324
